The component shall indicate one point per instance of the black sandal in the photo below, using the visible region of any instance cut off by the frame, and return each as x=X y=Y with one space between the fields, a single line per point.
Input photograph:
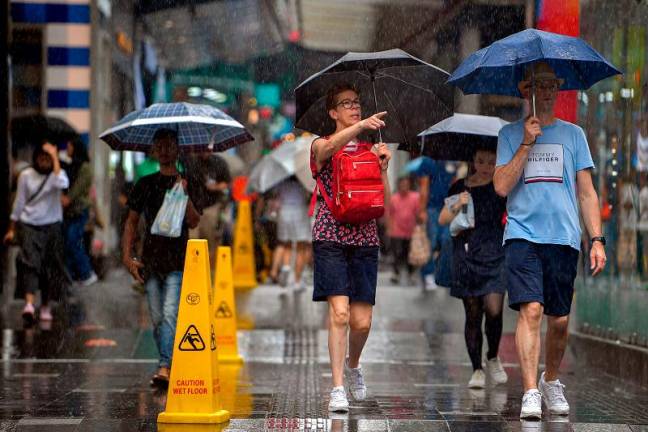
x=158 y=380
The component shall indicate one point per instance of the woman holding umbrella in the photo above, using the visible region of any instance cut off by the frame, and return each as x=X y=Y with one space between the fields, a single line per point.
x=345 y=255
x=477 y=261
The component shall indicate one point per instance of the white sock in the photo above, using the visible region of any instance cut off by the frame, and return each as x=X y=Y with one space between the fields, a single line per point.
x=338 y=388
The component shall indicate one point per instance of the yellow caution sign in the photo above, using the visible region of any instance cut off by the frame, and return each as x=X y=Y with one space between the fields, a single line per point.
x=170 y=427
x=225 y=308
x=194 y=386
x=244 y=265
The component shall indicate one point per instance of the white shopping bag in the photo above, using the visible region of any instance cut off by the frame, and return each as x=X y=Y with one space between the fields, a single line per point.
x=465 y=219
x=169 y=219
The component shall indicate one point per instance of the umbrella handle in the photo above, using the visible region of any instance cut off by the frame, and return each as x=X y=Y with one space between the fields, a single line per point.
x=373 y=85
x=533 y=90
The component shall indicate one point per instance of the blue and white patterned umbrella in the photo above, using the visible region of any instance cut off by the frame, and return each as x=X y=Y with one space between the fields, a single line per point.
x=199 y=127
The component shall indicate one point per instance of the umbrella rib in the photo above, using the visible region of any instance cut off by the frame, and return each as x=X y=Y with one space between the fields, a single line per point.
x=400 y=120
x=415 y=86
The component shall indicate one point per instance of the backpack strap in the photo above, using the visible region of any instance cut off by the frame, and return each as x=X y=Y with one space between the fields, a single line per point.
x=40 y=188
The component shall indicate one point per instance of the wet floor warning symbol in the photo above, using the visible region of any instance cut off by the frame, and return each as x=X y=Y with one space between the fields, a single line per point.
x=223 y=311
x=213 y=338
x=191 y=341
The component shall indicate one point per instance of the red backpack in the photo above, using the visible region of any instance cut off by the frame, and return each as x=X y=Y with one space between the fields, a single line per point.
x=357 y=186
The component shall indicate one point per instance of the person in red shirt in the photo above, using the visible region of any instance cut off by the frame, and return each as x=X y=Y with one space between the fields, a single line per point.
x=401 y=220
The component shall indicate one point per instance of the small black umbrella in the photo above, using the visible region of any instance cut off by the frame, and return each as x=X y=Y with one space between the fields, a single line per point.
x=34 y=130
x=414 y=93
x=457 y=137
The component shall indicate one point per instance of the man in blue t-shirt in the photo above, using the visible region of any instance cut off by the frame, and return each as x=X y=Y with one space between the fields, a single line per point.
x=544 y=168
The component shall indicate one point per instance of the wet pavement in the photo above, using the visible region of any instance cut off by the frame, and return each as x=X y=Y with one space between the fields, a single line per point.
x=416 y=368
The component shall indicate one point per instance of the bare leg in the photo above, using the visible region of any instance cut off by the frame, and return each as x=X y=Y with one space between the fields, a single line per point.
x=527 y=341
x=339 y=313
x=30 y=298
x=555 y=344
x=277 y=260
x=360 y=323
x=300 y=261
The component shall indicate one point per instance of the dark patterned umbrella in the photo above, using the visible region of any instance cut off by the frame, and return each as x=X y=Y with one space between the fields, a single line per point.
x=199 y=127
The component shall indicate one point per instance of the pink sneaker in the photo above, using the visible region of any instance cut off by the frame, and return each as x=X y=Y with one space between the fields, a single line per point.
x=45 y=313
x=28 y=313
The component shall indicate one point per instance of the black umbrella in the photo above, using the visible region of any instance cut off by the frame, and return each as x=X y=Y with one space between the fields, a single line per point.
x=34 y=130
x=457 y=137
x=414 y=93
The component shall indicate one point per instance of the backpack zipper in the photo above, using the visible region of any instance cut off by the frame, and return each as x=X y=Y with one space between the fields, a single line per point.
x=355 y=164
x=361 y=191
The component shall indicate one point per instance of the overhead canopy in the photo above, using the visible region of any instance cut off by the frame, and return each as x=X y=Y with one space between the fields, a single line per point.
x=200 y=32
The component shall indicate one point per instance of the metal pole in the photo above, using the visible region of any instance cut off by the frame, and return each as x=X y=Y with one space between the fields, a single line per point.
x=5 y=152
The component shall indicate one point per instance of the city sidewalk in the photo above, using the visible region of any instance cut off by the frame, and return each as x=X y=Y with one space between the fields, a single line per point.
x=415 y=362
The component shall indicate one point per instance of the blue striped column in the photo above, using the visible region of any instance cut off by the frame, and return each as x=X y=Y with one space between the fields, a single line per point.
x=66 y=31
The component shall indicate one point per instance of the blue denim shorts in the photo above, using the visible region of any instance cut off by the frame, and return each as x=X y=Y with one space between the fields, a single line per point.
x=350 y=271
x=542 y=273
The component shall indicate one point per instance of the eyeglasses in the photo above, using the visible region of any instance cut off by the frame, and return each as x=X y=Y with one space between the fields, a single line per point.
x=349 y=104
x=544 y=85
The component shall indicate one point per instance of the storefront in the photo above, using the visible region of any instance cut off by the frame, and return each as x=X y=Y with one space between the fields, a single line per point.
x=614 y=114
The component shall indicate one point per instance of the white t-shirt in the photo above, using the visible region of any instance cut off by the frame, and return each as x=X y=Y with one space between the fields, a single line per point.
x=46 y=207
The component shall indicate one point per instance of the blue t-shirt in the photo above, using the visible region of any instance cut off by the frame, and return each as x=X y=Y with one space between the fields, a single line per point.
x=440 y=180
x=543 y=207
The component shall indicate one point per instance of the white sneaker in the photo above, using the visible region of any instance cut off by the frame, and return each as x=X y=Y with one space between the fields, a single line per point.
x=478 y=380
x=92 y=279
x=338 y=401
x=552 y=393
x=429 y=283
x=298 y=286
x=496 y=371
x=355 y=380
x=531 y=405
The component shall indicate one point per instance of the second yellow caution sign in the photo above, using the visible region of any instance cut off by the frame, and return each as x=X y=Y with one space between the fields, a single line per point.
x=244 y=265
x=225 y=308
x=194 y=386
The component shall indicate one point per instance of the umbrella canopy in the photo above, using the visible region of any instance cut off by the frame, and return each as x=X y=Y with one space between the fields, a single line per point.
x=272 y=170
x=302 y=162
x=199 y=127
x=413 y=92
x=457 y=137
x=281 y=164
x=35 y=129
x=498 y=68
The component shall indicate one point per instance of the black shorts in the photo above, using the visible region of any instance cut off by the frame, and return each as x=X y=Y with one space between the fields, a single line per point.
x=542 y=273
x=350 y=271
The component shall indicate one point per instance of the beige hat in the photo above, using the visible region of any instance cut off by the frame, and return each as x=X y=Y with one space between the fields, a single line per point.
x=541 y=71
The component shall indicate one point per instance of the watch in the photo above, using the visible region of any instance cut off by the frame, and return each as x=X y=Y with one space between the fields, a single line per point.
x=598 y=239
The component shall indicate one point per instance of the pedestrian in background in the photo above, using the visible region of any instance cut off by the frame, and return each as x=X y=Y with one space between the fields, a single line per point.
x=434 y=180
x=345 y=256
x=401 y=219
x=293 y=228
x=211 y=176
x=76 y=211
x=544 y=168
x=36 y=225
x=162 y=262
x=477 y=258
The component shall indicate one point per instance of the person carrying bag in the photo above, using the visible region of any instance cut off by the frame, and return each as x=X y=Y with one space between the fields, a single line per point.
x=169 y=219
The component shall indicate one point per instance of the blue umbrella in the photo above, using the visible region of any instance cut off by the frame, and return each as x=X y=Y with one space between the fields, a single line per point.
x=457 y=137
x=199 y=128
x=498 y=68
